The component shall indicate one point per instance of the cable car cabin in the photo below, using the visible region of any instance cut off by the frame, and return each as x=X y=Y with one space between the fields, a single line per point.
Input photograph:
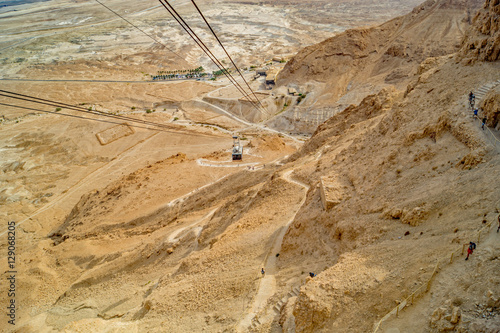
x=237 y=149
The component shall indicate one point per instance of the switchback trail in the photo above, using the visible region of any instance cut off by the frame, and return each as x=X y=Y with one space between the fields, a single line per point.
x=267 y=286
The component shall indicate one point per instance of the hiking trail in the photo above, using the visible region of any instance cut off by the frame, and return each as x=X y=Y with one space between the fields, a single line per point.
x=267 y=285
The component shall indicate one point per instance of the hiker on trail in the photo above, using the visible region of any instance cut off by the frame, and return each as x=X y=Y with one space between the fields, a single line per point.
x=472 y=247
x=484 y=122
x=263 y=271
x=311 y=274
x=472 y=99
x=498 y=223
x=475 y=113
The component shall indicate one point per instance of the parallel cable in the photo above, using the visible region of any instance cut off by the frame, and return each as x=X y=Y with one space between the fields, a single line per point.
x=80 y=117
x=164 y=127
x=200 y=43
x=224 y=71
x=205 y=49
x=220 y=43
x=78 y=108
x=145 y=33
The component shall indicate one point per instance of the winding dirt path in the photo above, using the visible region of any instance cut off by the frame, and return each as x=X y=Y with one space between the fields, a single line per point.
x=267 y=286
x=244 y=122
x=175 y=236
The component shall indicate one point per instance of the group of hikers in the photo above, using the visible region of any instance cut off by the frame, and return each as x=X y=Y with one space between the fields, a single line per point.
x=472 y=102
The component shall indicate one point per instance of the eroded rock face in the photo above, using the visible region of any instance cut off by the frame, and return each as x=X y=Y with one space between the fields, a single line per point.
x=445 y=318
x=482 y=41
x=491 y=108
x=312 y=311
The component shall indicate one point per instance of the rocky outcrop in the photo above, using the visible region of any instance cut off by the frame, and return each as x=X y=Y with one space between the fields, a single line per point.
x=445 y=318
x=482 y=41
x=491 y=108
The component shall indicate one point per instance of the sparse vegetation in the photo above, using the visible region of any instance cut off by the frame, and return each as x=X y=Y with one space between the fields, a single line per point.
x=301 y=97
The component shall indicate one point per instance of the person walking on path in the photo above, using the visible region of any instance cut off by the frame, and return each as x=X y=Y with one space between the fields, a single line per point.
x=263 y=271
x=472 y=247
x=472 y=99
x=475 y=113
x=484 y=122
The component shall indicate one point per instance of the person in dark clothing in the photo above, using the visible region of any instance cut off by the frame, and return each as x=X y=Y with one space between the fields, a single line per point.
x=472 y=99
x=484 y=122
x=311 y=274
x=263 y=271
x=472 y=247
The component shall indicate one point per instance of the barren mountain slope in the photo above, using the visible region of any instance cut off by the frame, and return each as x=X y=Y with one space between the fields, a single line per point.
x=178 y=245
x=343 y=69
x=414 y=177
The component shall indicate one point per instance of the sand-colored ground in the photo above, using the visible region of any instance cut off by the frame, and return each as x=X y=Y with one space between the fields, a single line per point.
x=160 y=231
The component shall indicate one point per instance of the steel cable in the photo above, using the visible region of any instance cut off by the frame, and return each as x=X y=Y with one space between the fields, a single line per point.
x=205 y=49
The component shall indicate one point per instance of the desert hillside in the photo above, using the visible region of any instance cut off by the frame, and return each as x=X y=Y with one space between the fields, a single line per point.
x=361 y=227
x=342 y=70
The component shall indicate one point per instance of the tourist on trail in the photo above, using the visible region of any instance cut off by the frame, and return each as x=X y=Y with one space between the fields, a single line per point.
x=484 y=122
x=311 y=274
x=472 y=247
x=475 y=113
x=263 y=271
x=472 y=99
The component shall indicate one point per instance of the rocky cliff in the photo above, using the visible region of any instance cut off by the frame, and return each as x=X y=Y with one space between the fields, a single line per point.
x=482 y=41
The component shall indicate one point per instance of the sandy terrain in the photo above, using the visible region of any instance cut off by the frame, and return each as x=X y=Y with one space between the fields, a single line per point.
x=124 y=229
x=85 y=34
